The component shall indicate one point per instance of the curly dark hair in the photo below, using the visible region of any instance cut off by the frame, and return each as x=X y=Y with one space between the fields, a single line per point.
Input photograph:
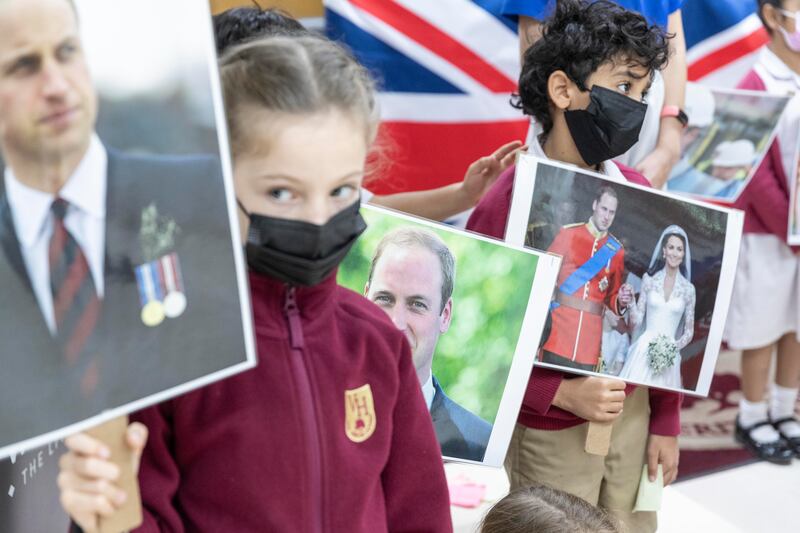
x=577 y=39
x=241 y=24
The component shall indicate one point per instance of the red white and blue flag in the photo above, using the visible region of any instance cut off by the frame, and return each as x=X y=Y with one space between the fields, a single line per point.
x=446 y=71
x=722 y=37
x=447 y=68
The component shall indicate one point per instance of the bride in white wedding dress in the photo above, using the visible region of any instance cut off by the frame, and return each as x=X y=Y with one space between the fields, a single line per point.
x=665 y=307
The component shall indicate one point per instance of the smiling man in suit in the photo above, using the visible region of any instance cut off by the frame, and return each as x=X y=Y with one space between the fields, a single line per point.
x=411 y=278
x=115 y=270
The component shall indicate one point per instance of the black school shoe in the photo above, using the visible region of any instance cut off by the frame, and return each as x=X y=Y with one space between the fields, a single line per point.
x=777 y=452
x=793 y=442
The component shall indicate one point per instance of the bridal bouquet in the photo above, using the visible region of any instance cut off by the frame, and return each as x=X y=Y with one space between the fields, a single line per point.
x=662 y=353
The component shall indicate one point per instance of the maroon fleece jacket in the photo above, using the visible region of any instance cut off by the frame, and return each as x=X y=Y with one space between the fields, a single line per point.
x=490 y=218
x=268 y=450
x=765 y=200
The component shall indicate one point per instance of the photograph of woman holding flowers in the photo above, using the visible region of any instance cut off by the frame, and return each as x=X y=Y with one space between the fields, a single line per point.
x=665 y=310
x=637 y=291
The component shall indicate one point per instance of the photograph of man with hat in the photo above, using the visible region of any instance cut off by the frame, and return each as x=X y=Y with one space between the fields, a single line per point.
x=730 y=164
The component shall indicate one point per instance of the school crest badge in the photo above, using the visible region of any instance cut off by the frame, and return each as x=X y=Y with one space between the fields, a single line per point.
x=359 y=411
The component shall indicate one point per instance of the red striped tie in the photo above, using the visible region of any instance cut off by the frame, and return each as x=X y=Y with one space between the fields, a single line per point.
x=76 y=305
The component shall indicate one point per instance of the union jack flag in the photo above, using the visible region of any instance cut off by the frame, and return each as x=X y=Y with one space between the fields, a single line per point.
x=447 y=69
x=722 y=37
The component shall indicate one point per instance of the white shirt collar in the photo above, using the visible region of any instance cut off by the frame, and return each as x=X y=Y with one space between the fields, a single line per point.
x=37 y=205
x=85 y=189
x=428 y=391
x=776 y=67
x=607 y=168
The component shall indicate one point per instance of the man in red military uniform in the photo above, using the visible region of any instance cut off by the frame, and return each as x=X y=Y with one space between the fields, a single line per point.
x=591 y=278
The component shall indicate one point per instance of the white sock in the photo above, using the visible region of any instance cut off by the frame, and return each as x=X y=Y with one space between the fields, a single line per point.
x=782 y=405
x=751 y=413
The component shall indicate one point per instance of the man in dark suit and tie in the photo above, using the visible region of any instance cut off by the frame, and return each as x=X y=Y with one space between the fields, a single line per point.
x=411 y=278
x=115 y=271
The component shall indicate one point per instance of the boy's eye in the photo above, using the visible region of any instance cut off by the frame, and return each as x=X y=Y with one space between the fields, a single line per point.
x=344 y=192
x=624 y=88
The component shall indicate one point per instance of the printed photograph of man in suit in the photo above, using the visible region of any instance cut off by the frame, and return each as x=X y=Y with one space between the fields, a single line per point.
x=117 y=273
x=412 y=276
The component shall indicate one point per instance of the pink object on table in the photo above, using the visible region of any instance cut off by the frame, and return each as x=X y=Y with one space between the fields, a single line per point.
x=466 y=493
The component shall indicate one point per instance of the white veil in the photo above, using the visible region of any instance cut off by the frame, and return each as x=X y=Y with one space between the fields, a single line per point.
x=687 y=264
x=687 y=258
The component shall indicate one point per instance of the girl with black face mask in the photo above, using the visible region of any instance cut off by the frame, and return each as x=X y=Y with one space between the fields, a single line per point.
x=330 y=432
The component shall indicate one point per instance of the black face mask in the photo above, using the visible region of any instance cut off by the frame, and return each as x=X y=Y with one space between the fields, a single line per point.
x=608 y=127
x=301 y=253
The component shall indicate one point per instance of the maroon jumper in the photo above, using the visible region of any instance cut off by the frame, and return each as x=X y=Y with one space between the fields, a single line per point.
x=330 y=432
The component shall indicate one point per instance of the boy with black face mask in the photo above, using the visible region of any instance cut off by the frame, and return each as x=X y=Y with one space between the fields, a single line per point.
x=585 y=82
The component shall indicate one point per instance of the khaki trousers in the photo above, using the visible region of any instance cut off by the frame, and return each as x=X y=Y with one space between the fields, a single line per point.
x=558 y=459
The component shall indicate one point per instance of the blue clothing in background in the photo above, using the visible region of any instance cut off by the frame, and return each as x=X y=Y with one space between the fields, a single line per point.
x=705 y=18
x=655 y=11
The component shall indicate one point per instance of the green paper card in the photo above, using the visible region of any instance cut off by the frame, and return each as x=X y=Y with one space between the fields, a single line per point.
x=649 y=496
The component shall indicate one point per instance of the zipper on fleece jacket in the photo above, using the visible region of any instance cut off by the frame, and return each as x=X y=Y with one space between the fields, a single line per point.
x=309 y=415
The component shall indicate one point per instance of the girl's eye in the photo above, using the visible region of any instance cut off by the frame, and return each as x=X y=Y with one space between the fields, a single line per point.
x=281 y=194
x=625 y=88
x=344 y=192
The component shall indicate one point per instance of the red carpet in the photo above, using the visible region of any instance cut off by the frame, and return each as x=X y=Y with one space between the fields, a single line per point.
x=707 y=424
